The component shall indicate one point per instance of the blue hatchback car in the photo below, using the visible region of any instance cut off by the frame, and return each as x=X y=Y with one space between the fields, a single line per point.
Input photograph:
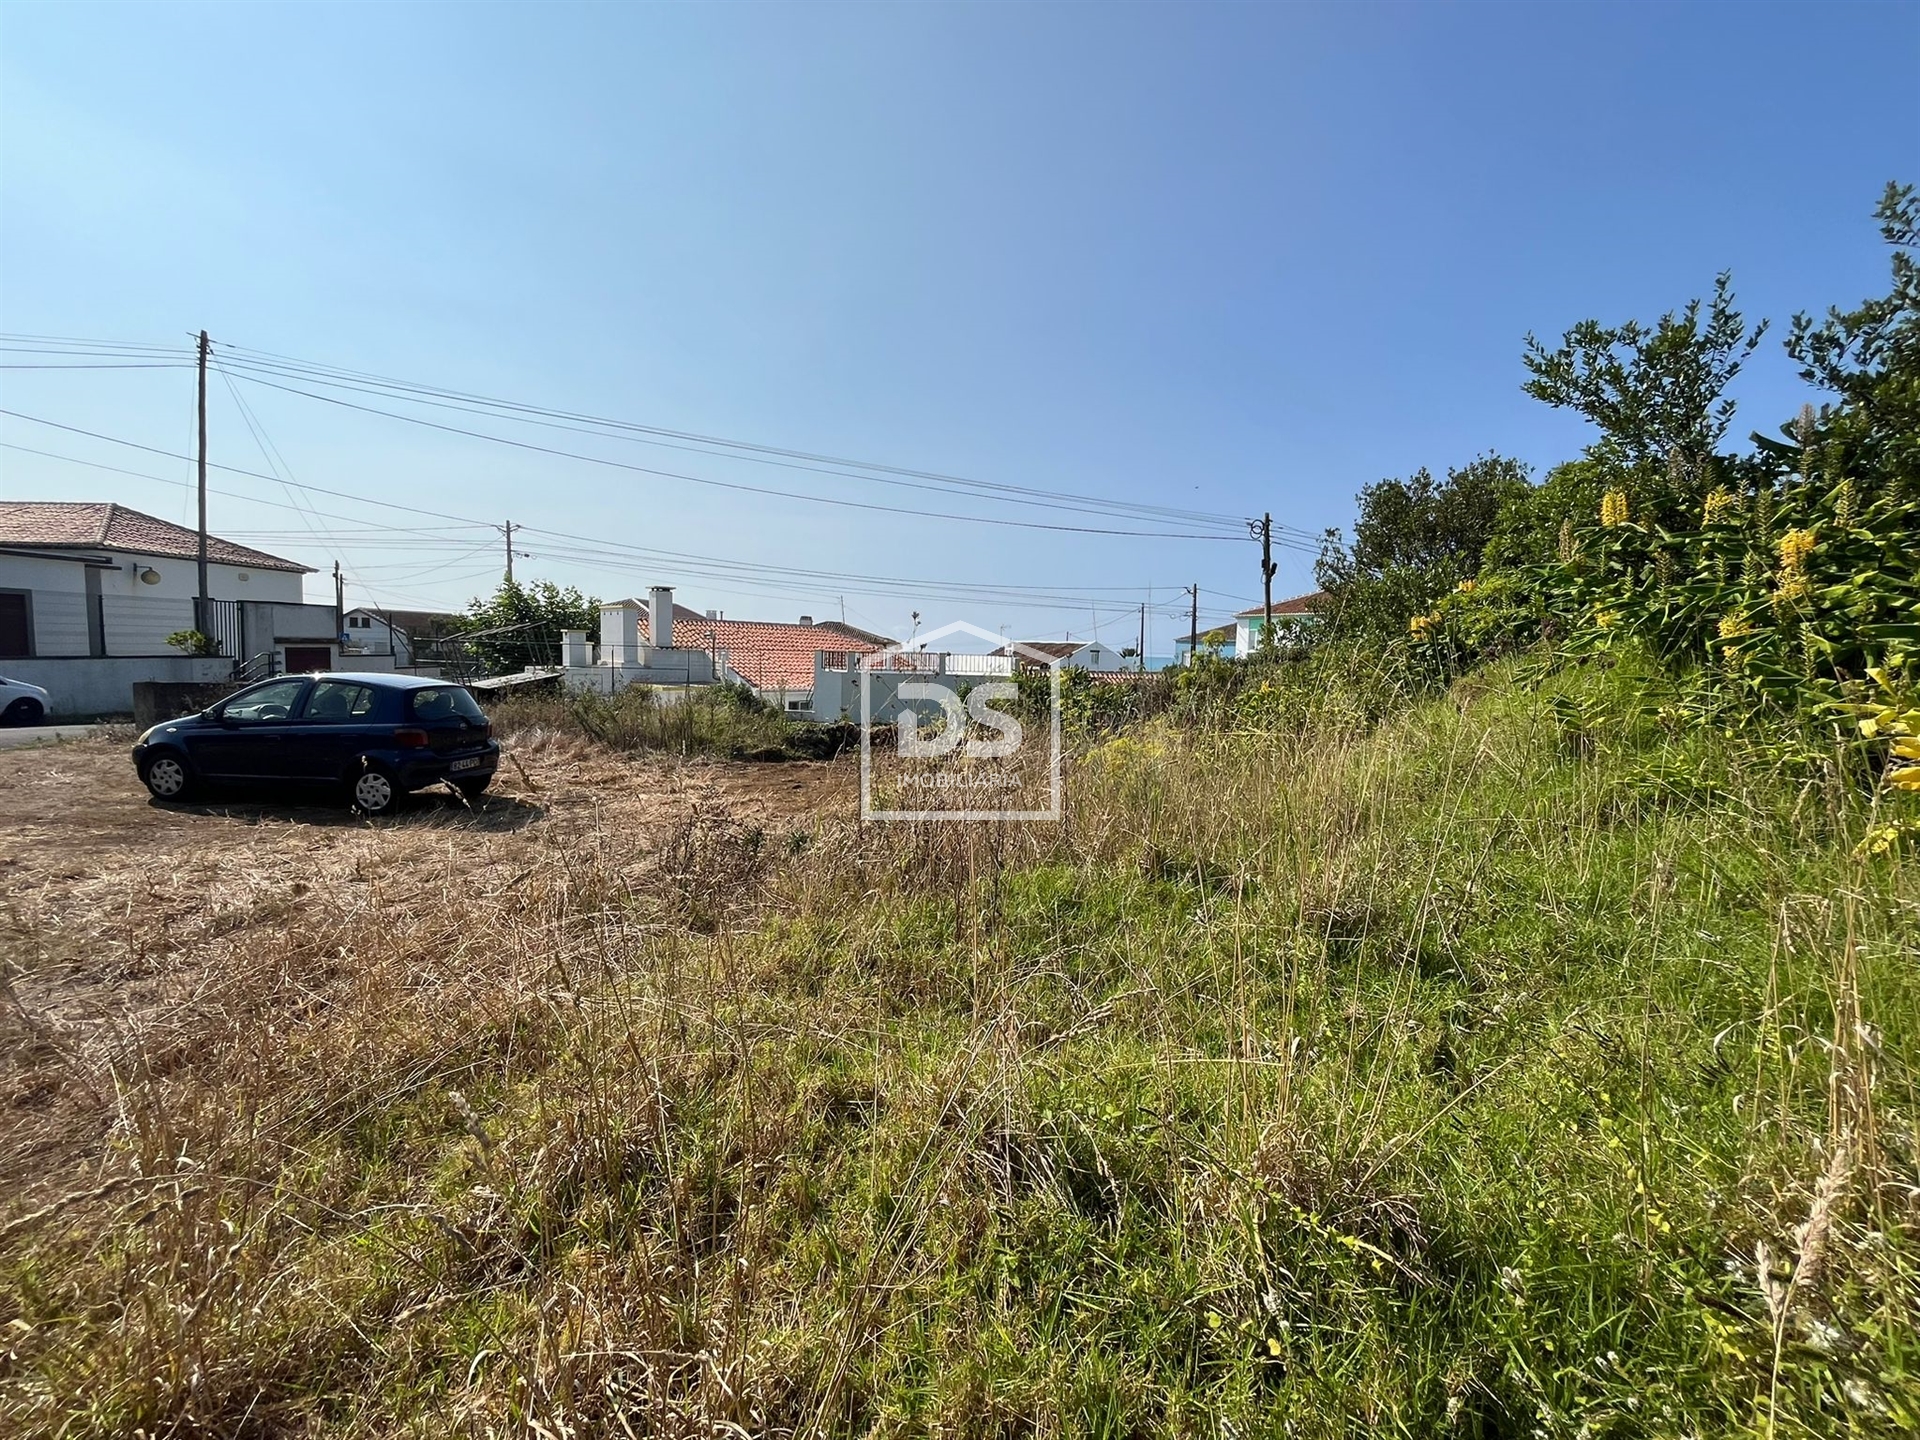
x=371 y=738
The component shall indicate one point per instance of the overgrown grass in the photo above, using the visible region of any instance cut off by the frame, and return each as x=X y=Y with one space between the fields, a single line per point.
x=706 y=720
x=1517 y=1066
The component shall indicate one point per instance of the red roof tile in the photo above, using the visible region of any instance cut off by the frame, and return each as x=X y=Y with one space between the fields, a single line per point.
x=1298 y=605
x=96 y=525
x=767 y=654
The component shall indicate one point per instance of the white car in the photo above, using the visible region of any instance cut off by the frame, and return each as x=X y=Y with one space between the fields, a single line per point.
x=21 y=703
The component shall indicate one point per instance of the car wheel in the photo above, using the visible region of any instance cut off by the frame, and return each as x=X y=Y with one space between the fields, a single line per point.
x=473 y=789
x=167 y=777
x=24 y=711
x=374 y=791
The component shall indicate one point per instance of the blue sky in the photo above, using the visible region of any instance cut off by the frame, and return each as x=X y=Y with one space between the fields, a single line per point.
x=1223 y=259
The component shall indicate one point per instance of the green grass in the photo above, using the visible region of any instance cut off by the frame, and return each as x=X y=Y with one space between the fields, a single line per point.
x=1445 y=1077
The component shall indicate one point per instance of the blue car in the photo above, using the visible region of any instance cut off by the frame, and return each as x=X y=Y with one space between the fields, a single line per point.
x=371 y=738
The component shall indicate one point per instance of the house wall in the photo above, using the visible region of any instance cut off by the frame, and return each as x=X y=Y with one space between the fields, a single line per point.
x=81 y=686
x=836 y=693
x=369 y=634
x=137 y=617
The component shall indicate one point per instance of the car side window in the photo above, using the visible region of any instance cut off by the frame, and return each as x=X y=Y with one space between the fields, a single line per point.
x=339 y=702
x=273 y=701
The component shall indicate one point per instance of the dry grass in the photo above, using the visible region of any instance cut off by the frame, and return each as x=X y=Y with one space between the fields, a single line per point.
x=1425 y=1080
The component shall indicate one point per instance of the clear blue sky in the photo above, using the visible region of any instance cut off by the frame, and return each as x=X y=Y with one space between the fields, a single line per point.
x=1226 y=259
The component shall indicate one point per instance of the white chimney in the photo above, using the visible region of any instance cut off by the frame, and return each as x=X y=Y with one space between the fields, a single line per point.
x=806 y=619
x=713 y=614
x=573 y=649
x=620 y=632
x=660 y=616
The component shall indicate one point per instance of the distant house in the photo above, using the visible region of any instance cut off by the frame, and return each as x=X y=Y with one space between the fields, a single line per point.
x=90 y=591
x=1292 y=619
x=774 y=659
x=1219 y=641
x=401 y=635
x=1069 y=654
x=771 y=656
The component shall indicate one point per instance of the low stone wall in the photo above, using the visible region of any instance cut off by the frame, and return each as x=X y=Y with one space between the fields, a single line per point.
x=88 y=688
x=157 y=700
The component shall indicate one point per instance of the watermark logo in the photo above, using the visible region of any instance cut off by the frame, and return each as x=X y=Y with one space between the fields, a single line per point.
x=963 y=748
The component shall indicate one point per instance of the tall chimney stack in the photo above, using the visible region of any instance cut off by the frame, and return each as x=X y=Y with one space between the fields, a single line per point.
x=660 y=616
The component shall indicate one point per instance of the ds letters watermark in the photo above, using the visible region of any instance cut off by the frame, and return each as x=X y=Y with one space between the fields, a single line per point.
x=963 y=748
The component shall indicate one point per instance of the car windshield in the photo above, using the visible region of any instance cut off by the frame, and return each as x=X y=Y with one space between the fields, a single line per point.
x=444 y=702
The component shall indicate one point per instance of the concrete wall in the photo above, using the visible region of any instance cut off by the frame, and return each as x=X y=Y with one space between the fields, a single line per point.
x=836 y=693
x=80 y=686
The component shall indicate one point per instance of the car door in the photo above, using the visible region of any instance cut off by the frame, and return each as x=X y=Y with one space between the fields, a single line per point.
x=335 y=726
x=248 y=739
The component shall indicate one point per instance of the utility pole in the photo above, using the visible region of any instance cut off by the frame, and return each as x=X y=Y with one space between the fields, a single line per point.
x=202 y=619
x=509 y=552
x=1193 y=635
x=1141 y=653
x=1262 y=530
x=339 y=601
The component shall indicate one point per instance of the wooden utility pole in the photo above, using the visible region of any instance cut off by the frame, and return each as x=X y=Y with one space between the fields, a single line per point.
x=509 y=552
x=1141 y=653
x=1193 y=635
x=201 y=619
x=339 y=604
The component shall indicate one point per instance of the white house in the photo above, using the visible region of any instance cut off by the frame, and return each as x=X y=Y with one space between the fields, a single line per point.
x=397 y=635
x=1069 y=654
x=89 y=593
x=1293 y=620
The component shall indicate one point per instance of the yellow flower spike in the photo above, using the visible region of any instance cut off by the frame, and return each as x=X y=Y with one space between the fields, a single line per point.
x=1613 y=508
x=1466 y=587
x=1794 y=547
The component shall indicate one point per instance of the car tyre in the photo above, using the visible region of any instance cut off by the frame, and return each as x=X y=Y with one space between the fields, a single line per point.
x=374 y=791
x=24 y=711
x=473 y=789
x=167 y=776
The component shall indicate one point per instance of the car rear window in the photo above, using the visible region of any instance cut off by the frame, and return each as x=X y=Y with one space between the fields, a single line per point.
x=443 y=702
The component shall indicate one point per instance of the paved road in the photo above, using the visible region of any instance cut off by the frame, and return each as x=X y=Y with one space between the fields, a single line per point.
x=13 y=736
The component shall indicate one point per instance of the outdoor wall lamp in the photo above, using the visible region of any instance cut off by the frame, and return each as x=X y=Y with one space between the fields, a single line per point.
x=150 y=576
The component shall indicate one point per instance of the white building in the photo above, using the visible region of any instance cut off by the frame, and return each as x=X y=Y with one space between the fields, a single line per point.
x=89 y=593
x=1293 y=620
x=1070 y=654
x=397 y=635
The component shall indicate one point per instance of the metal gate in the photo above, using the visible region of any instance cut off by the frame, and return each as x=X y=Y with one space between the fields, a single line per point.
x=219 y=621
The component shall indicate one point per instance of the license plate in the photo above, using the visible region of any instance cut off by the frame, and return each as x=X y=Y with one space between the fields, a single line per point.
x=472 y=762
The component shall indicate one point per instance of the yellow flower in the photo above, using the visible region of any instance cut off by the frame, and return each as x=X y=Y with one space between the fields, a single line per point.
x=1421 y=624
x=1273 y=1346
x=1606 y=619
x=1732 y=627
x=1906 y=778
x=1795 y=546
x=1721 y=505
x=1613 y=508
x=1465 y=587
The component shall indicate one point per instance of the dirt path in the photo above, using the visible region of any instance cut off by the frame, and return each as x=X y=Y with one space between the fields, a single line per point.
x=118 y=913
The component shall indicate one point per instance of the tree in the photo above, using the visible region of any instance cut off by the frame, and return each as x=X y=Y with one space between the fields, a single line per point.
x=520 y=625
x=1870 y=358
x=1414 y=540
x=1657 y=394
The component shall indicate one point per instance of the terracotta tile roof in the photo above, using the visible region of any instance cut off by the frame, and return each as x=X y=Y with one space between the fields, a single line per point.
x=96 y=525
x=769 y=655
x=1052 y=649
x=1298 y=605
x=840 y=627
